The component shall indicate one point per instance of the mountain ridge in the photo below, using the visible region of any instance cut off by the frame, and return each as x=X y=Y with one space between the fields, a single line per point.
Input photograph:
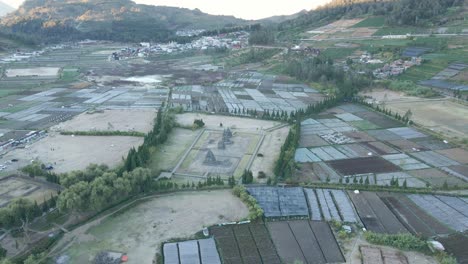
x=5 y=9
x=124 y=20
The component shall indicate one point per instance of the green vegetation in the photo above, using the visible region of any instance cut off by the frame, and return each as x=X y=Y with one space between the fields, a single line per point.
x=69 y=74
x=377 y=21
x=255 y=211
x=254 y=55
x=247 y=177
x=263 y=36
x=104 y=133
x=412 y=89
x=406 y=242
x=338 y=53
x=322 y=70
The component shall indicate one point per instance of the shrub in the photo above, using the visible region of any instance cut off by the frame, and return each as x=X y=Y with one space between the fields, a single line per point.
x=400 y=241
x=261 y=175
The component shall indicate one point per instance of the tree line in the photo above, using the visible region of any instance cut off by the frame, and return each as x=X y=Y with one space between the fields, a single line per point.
x=321 y=69
x=285 y=164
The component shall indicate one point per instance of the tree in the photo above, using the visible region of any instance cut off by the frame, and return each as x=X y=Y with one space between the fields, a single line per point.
x=404 y=184
x=3 y=252
x=367 y=181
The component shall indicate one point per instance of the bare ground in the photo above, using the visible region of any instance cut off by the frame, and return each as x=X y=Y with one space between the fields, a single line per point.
x=213 y=122
x=111 y=120
x=270 y=150
x=67 y=153
x=140 y=230
x=440 y=115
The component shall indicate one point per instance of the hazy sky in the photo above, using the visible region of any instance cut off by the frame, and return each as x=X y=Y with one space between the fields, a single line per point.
x=247 y=9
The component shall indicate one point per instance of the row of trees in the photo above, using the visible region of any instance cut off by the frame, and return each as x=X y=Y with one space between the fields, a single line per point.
x=285 y=164
x=163 y=125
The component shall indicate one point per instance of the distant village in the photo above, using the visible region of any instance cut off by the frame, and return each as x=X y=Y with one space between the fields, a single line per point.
x=234 y=40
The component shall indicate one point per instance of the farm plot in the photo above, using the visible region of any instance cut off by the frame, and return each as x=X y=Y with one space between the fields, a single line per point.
x=218 y=152
x=374 y=255
x=311 y=141
x=384 y=179
x=281 y=202
x=434 y=159
x=406 y=145
x=437 y=177
x=327 y=153
x=459 y=171
x=456 y=154
x=193 y=251
x=442 y=116
x=378 y=119
x=336 y=138
x=374 y=214
x=412 y=217
x=306 y=241
x=364 y=125
x=336 y=124
x=359 y=136
x=324 y=172
x=352 y=108
x=384 y=135
x=380 y=148
x=405 y=162
x=362 y=166
x=450 y=211
x=355 y=151
x=432 y=143
x=247 y=243
x=456 y=245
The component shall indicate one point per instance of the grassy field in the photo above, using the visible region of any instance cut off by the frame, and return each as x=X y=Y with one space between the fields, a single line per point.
x=400 y=31
x=377 y=21
x=166 y=156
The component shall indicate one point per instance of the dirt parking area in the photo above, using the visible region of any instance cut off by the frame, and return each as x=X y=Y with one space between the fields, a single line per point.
x=269 y=151
x=140 y=230
x=67 y=153
x=238 y=123
x=111 y=120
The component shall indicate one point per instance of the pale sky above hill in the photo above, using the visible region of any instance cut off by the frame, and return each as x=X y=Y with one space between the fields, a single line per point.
x=247 y=9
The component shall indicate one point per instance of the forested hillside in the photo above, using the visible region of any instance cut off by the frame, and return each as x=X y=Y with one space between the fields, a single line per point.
x=397 y=12
x=119 y=20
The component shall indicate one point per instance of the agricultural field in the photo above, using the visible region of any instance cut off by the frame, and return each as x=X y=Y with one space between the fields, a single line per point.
x=306 y=241
x=375 y=215
x=201 y=251
x=237 y=244
x=243 y=91
x=343 y=29
x=359 y=143
x=296 y=202
x=141 y=229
